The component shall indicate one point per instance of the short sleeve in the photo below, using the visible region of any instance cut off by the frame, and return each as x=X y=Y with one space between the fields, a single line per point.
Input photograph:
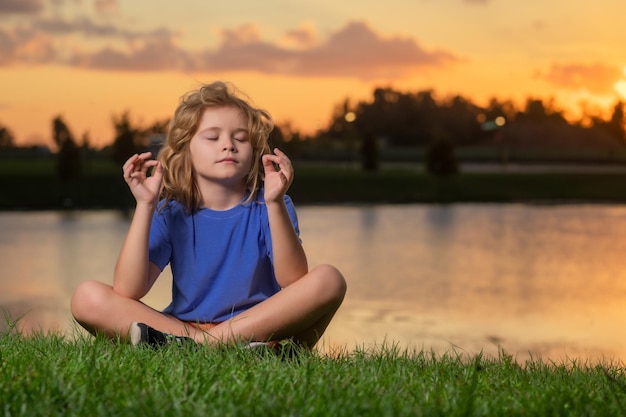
x=159 y=247
x=292 y=215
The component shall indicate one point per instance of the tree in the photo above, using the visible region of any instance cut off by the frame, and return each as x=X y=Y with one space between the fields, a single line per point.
x=6 y=138
x=617 y=124
x=127 y=139
x=539 y=111
x=68 y=160
x=370 y=153
x=440 y=157
x=496 y=108
x=459 y=118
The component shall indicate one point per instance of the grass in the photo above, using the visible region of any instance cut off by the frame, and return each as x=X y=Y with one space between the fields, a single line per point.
x=51 y=375
x=33 y=185
x=337 y=185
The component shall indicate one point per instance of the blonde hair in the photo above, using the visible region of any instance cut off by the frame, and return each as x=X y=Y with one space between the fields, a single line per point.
x=179 y=182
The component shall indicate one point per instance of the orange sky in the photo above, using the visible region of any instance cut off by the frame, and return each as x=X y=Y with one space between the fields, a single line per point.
x=89 y=60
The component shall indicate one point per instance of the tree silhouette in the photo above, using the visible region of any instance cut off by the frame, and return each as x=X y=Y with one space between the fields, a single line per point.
x=68 y=159
x=404 y=119
x=496 y=108
x=128 y=139
x=86 y=141
x=6 y=138
x=440 y=157
x=277 y=138
x=370 y=152
x=617 y=124
x=538 y=110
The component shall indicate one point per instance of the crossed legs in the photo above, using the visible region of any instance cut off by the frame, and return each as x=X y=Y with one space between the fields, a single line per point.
x=302 y=311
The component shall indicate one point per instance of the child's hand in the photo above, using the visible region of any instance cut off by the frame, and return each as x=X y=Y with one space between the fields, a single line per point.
x=145 y=188
x=277 y=181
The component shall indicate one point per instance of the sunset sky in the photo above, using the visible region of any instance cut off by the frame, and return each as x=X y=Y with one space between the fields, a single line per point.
x=90 y=60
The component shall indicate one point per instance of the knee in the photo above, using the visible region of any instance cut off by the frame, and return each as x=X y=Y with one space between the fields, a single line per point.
x=330 y=282
x=88 y=299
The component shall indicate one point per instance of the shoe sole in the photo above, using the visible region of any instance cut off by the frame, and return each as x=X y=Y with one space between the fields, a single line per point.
x=135 y=334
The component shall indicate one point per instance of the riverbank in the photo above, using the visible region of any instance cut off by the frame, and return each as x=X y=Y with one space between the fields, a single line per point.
x=53 y=376
x=35 y=186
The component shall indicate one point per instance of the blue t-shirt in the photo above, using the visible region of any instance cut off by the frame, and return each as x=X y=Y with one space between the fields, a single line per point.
x=221 y=261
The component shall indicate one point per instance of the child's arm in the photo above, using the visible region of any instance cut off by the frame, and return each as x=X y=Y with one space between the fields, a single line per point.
x=134 y=274
x=290 y=263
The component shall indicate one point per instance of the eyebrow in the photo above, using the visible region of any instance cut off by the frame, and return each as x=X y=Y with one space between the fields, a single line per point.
x=211 y=128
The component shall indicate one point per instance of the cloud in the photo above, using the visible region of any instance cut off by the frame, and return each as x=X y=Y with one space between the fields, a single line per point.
x=303 y=36
x=87 y=27
x=354 y=51
x=154 y=55
x=24 y=45
x=106 y=7
x=35 y=43
x=20 y=6
x=595 y=78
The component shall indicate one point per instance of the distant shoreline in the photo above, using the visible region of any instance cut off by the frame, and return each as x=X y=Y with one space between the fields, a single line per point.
x=38 y=188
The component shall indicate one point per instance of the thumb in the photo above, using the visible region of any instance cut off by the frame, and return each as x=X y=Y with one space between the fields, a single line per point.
x=157 y=172
x=268 y=166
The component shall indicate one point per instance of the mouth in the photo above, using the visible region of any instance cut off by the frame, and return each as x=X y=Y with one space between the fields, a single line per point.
x=228 y=161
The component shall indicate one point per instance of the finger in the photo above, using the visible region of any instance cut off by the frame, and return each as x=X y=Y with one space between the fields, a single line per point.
x=279 y=159
x=268 y=162
x=283 y=178
x=285 y=166
x=144 y=158
x=283 y=158
x=145 y=165
x=271 y=158
x=137 y=167
x=281 y=155
x=285 y=173
x=157 y=173
x=129 y=163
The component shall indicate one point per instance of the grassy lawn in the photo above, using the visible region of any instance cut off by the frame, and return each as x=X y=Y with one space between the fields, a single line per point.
x=34 y=185
x=49 y=375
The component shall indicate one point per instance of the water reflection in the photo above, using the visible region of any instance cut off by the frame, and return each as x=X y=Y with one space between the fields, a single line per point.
x=535 y=280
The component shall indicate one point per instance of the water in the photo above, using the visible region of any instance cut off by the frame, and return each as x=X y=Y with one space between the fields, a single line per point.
x=535 y=281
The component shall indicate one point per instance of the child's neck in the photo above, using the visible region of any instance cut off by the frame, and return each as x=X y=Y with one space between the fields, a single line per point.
x=221 y=197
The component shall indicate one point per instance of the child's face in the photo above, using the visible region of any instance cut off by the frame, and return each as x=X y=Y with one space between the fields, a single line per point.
x=221 y=150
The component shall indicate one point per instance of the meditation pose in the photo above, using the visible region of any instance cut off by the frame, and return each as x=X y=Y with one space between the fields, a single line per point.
x=213 y=207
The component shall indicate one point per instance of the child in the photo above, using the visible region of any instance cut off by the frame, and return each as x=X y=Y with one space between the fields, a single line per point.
x=228 y=230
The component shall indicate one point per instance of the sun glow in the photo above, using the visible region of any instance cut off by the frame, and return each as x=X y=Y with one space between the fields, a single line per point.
x=620 y=86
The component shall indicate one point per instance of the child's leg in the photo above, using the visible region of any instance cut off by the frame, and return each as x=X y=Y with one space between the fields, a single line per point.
x=99 y=309
x=301 y=311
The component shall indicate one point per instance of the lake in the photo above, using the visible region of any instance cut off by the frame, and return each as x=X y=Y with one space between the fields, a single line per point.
x=534 y=280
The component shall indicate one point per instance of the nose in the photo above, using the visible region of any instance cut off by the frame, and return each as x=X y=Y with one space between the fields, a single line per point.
x=229 y=145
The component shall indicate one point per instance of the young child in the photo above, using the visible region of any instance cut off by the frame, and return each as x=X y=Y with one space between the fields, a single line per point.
x=227 y=229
